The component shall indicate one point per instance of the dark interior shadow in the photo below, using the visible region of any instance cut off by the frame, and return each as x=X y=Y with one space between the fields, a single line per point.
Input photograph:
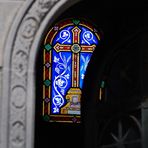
x=115 y=21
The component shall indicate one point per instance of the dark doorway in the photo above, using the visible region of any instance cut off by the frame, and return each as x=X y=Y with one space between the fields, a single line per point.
x=115 y=118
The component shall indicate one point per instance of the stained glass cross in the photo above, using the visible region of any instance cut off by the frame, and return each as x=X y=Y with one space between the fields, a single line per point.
x=74 y=93
x=75 y=48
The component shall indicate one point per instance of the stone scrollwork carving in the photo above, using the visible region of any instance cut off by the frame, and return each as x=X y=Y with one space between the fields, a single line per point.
x=18 y=97
x=20 y=63
x=17 y=135
x=19 y=70
x=44 y=5
x=28 y=28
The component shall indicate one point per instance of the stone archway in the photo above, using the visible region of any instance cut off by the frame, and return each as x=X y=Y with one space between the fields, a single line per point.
x=18 y=100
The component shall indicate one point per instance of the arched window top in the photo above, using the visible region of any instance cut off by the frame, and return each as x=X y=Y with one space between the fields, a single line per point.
x=72 y=31
x=68 y=47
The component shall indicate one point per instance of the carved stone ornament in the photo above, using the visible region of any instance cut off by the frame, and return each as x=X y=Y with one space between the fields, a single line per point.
x=16 y=127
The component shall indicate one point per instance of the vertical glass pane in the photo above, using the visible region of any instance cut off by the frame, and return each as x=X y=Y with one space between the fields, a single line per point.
x=68 y=47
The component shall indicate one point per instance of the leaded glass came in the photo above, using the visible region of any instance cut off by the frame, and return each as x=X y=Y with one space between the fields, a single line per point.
x=68 y=48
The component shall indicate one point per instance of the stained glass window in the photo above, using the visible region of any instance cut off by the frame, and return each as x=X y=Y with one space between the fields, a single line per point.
x=68 y=47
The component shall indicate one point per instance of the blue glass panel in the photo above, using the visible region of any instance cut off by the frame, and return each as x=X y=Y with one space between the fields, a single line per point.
x=62 y=64
x=87 y=37
x=61 y=79
x=64 y=36
x=84 y=60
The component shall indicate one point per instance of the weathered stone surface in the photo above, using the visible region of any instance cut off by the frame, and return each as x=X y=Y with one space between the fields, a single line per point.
x=8 y=11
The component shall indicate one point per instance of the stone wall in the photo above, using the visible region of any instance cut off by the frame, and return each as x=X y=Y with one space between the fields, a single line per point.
x=8 y=11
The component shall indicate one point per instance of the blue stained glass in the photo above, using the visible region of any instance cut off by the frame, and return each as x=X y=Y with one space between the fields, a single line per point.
x=84 y=60
x=61 y=79
x=64 y=36
x=87 y=37
x=62 y=63
x=68 y=46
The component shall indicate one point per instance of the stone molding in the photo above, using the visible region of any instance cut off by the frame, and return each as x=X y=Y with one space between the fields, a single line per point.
x=18 y=100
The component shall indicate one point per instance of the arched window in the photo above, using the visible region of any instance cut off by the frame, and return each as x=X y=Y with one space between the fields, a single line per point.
x=67 y=49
